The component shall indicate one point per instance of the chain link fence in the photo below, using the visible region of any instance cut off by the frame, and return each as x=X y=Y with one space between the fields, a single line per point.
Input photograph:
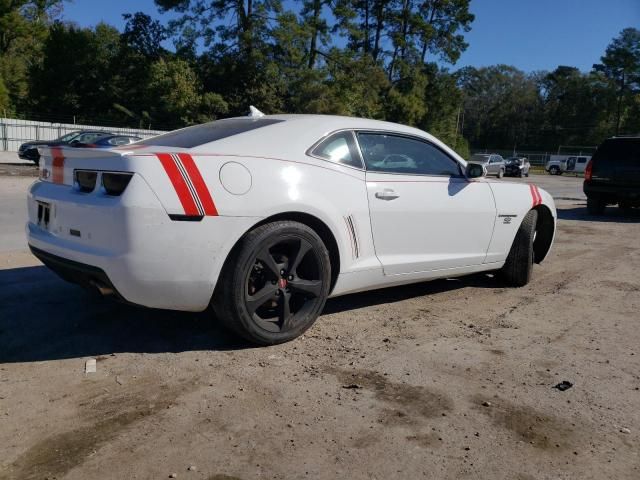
x=14 y=132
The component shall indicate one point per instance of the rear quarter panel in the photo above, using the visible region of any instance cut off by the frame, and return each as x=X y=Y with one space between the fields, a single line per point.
x=330 y=192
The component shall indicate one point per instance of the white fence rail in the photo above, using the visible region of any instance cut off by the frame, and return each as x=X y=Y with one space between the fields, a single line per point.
x=14 y=132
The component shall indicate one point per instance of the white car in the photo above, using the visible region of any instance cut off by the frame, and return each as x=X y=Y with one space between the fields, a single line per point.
x=264 y=217
x=559 y=164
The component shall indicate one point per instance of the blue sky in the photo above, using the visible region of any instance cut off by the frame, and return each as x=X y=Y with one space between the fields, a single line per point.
x=529 y=34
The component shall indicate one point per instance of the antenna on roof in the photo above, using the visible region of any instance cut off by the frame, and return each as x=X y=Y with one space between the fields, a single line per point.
x=254 y=112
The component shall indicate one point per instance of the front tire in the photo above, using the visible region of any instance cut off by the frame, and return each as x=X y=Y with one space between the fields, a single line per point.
x=274 y=284
x=554 y=170
x=500 y=173
x=516 y=271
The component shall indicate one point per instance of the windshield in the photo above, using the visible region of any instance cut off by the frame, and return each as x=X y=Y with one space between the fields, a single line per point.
x=514 y=160
x=67 y=137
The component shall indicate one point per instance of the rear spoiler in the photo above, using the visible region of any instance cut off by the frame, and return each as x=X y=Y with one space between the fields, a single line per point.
x=57 y=163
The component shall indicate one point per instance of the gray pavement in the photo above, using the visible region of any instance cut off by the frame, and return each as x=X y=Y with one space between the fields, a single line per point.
x=12 y=158
x=13 y=212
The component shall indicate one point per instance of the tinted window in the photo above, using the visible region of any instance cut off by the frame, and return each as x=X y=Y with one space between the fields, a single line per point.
x=582 y=159
x=208 y=132
x=397 y=154
x=90 y=137
x=619 y=149
x=339 y=147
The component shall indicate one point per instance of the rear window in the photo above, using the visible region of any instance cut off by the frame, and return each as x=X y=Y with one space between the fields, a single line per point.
x=623 y=150
x=208 y=132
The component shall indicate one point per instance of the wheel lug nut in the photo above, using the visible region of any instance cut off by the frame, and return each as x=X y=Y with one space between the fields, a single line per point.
x=273 y=282
x=281 y=272
x=290 y=277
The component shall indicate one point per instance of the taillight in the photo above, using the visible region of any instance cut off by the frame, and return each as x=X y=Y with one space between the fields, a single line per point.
x=588 y=170
x=85 y=180
x=115 y=183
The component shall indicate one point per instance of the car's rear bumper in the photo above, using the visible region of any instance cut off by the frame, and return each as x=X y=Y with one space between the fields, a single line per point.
x=130 y=244
x=610 y=192
x=87 y=276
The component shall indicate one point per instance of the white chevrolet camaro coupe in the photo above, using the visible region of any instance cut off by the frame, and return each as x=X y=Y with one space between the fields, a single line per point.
x=264 y=217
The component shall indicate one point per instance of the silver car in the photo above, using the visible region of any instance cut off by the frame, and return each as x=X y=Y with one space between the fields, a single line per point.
x=493 y=162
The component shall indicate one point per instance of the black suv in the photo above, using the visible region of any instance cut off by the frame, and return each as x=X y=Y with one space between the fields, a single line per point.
x=613 y=175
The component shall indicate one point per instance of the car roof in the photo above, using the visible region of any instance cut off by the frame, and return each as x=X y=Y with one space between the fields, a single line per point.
x=287 y=135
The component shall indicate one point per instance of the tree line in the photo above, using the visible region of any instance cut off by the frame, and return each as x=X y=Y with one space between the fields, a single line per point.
x=380 y=59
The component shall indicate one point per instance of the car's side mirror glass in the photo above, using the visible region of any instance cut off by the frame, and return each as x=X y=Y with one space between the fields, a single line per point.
x=475 y=170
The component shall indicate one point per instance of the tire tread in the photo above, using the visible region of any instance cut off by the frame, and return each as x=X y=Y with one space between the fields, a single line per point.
x=517 y=269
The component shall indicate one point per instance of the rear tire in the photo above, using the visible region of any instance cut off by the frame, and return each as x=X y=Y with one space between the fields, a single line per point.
x=274 y=283
x=516 y=271
x=595 y=205
x=625 y=207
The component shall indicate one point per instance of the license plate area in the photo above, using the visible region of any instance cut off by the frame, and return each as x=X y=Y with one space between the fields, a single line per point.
x=44 y=214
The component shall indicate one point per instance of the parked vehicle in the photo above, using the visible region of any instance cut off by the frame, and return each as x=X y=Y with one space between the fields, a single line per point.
x=613 y=175
x=493 y=162
x=559 y=164
x=264 y=217
x=29 y=150
x=109 y=141
x=517 y=167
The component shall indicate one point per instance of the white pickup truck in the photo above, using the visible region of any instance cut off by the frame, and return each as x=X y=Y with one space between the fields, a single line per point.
x=559 y=164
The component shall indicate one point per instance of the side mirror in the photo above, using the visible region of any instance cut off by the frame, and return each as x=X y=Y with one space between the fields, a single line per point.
x=475 y=170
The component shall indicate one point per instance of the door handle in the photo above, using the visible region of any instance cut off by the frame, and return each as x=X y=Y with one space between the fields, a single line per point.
x=387 y=194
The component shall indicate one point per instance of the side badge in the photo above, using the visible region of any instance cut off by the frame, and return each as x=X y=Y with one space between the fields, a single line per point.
x=506 y=219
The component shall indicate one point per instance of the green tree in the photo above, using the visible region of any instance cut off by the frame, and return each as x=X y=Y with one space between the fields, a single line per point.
x=76 y=75
x=575 y=108
x=621 y=64
x=175 y=97
x=501 y=106
x=23 y=29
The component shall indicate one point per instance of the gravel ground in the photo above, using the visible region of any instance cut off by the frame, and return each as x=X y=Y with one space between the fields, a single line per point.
x=448 y=379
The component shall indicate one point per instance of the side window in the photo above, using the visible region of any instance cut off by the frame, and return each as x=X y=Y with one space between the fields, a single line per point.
x=398 y=154
x=340 y=148
x=582 y=159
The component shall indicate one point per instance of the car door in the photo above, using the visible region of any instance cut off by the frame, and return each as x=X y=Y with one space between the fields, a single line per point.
x=581 y=163
x=490 y=165
x=425 y=214
x=571 y=164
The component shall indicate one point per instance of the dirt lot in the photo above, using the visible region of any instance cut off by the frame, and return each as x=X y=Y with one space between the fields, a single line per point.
x=450 y=379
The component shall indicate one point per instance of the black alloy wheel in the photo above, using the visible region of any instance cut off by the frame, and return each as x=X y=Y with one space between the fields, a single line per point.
x=275 y=283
